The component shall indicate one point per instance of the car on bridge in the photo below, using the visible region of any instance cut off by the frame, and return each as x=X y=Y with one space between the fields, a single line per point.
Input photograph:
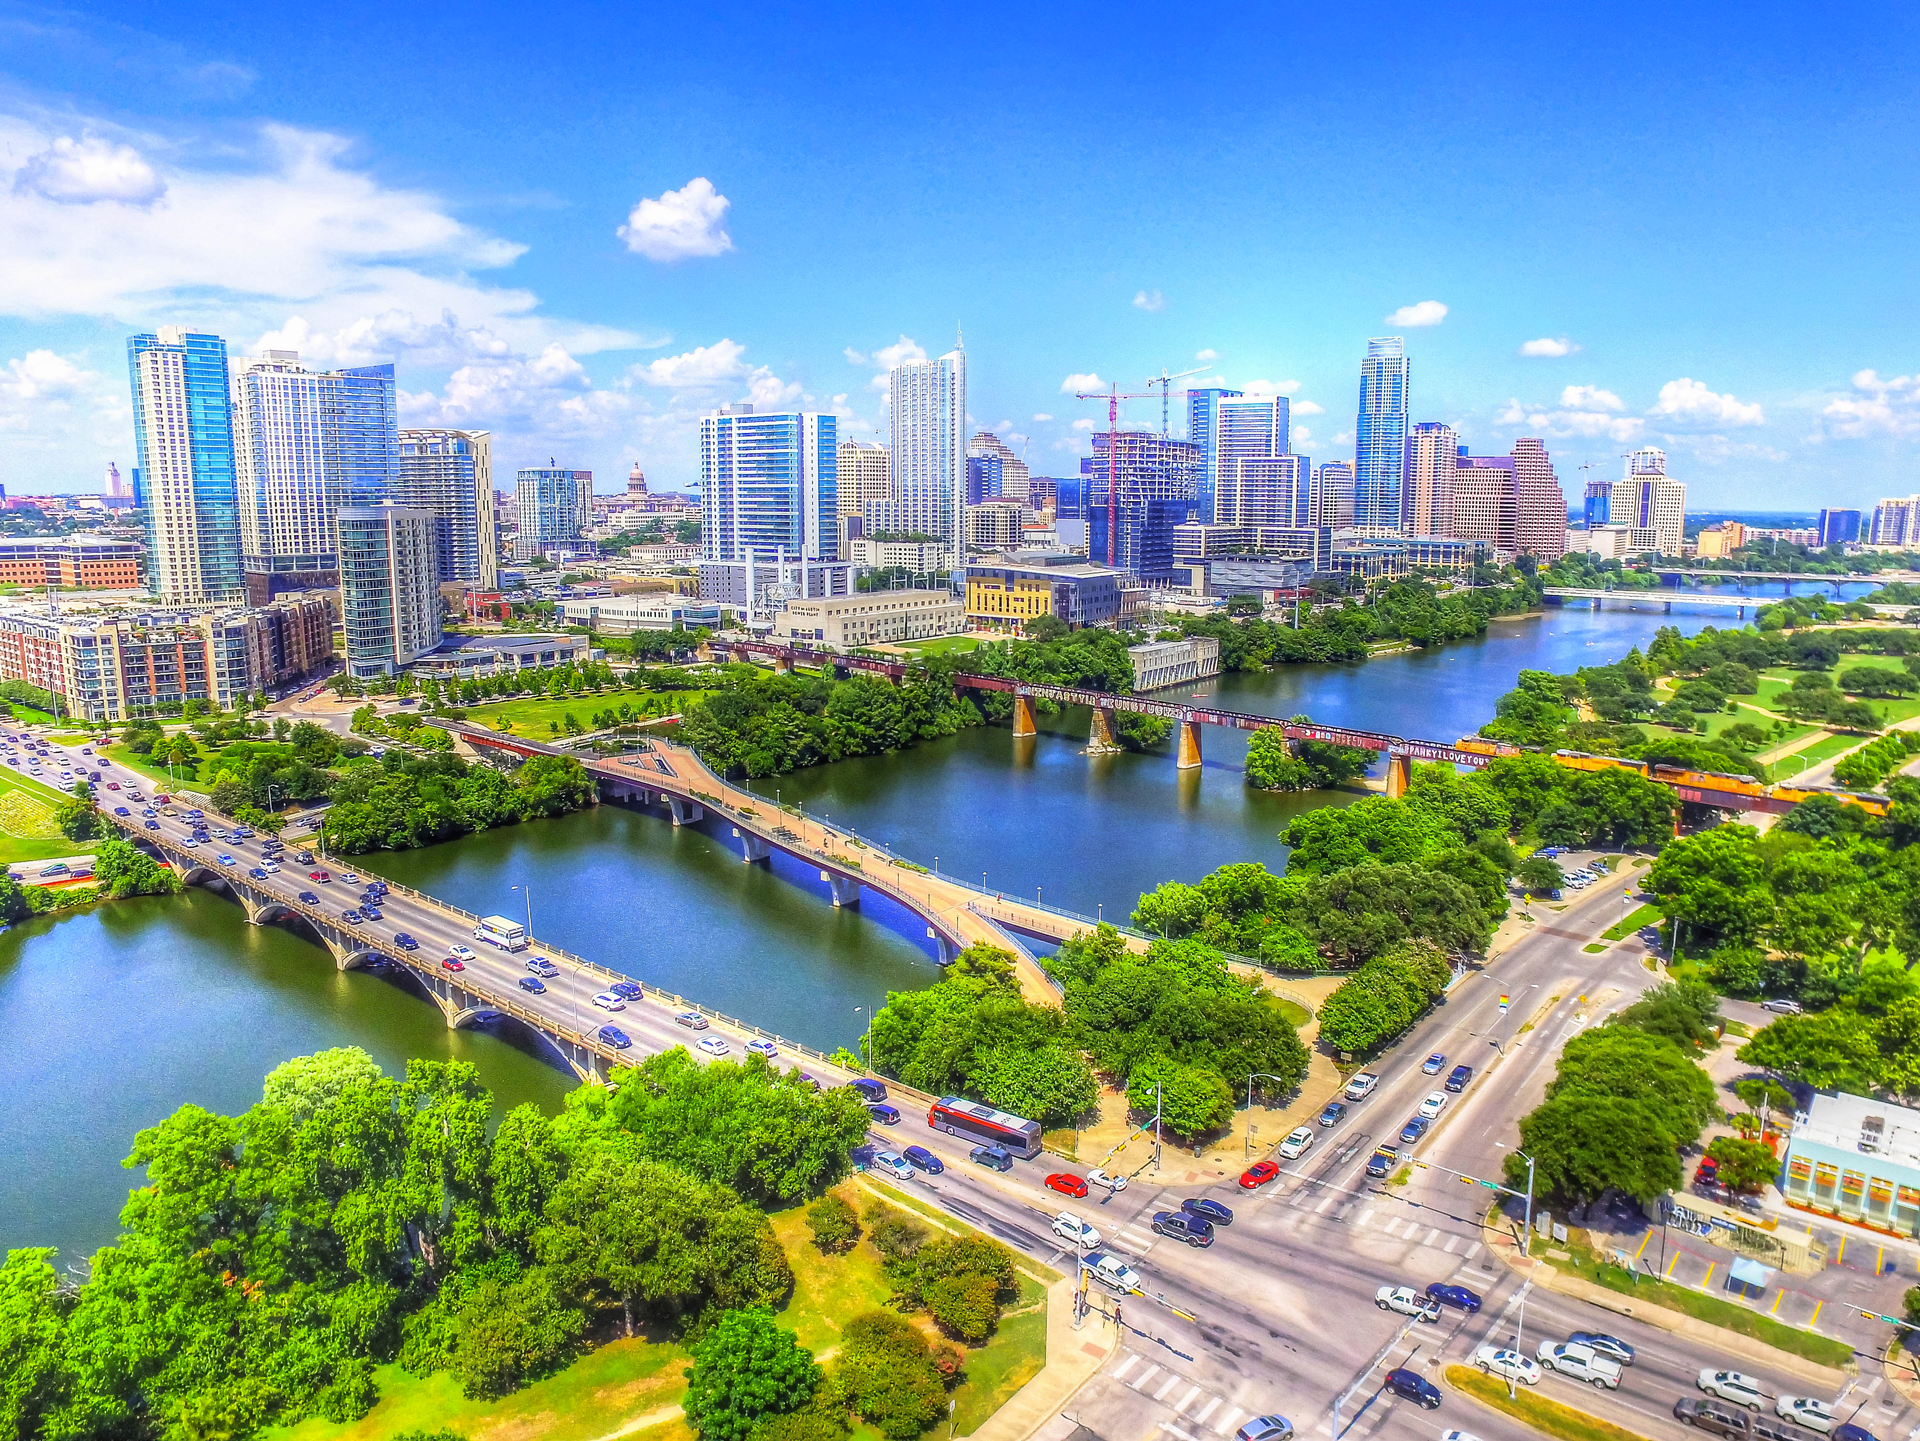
x=189 y=842
x=542 y=967
x=320 y=876
x=615 y=1037
x=757 y=1047
x=1066 y=1183
x=453 y=963
x=257 y=874
x=404 y=941
x=717 y=1046
x=224 y=859
x=461 y=953
x=309 y=898
x=692 y=1020
x=608 y=1001
x=352 y=918
x=153 y=825
x=121 y=811
x=533 y=985
x=627 y=991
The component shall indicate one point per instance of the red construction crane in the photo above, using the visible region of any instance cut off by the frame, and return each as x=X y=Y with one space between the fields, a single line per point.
x=1113 y=397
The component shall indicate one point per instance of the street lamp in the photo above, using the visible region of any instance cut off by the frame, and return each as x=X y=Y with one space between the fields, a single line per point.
x=869 y=1053
x=1266 y=1075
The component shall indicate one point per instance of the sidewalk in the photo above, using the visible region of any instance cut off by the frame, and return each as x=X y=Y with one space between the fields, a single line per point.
x=1073 y=1359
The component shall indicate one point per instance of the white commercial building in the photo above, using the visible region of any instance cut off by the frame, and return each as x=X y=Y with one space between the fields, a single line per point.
x=872 y=617
x=918 y=557
x=997 y=525
x=927 y=420
x=865 y=477
x=1651 y=506
x=625 y=614
x=1162 y=663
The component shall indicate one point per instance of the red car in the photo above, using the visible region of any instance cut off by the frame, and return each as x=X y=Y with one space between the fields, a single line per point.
x=1258 y=1175
x=318 y=876
x=453 y=963
x=1067 y=1185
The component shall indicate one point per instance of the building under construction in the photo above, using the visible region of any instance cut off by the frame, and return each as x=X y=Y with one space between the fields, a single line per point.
x=1156 y=482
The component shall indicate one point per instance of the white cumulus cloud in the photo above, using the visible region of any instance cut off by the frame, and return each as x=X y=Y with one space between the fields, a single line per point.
x=90 y=169
x=1690 y=403
x=1549 y=347
x=1074 y=384
x=1590 y=397
x=1206 y=355
x=1877 y=405
x=1267 y=387
x=681 y=223
x=1041 y=415
x=1307 y=407
x=1149 y=300
x=1583 y=411
x=1302 y=436
x=888 y=356
x=1425 y=312
x=41 y=374
x=1083 y=424
x=704 y=365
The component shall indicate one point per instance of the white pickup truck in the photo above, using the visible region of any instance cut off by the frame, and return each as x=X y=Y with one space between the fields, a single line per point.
x=1408 y=1302
x=1361 y=1086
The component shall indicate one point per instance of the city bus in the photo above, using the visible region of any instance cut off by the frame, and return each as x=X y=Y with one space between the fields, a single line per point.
x=501 y=932
x=972 y=1121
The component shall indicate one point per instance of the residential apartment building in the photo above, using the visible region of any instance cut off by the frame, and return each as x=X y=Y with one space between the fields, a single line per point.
x=306 y=444
x=763 y=585
x=184 y=486
x=82 y=561
x=389 y=587
x=1330 y=504
x=997 y=525
x=1277 y=490
x=1161 y=663
x=927 y=420
x=872 y=617
x=1718 y=542
x=449 y=473
x=917 y=557
x=863 y=477
x=769 y=485
x=1486 y=501
x=555 y=507
x=1540 y=505
x=1896 y=522
x=1203 y=428
x=1005 y=592
x=1433 y=451
x=1380 y=434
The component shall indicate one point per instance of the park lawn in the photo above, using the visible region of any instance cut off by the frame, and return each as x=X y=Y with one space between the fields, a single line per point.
x=27 y=829
x=940 y=645
x=534 y=716
x=1787 y=767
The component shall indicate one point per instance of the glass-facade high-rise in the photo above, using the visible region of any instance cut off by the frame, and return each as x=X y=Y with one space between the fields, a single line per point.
x=1203 y=412
x=1155 y=480
x=1380 y=435
x=389 y=587
x=769 y=485
x=184 y=488
x=450 y=473
x=555 y=506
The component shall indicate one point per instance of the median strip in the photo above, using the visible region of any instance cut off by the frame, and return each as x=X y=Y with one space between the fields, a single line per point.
x=1551 y=1417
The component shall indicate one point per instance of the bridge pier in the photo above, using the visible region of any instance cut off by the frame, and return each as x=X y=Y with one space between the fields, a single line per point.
x=1189 y=752
x=1023 y=716
x=846 y=890
x=685 y=813
x=259 y=911
x=1100 y=739
x=1667 y=606
x=783 y=665
x=753 y=848
x=944 y=951
x=1399 y=775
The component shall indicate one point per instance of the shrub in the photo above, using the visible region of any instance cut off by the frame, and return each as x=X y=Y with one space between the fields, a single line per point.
x=964 y=1306
x=833 y=1223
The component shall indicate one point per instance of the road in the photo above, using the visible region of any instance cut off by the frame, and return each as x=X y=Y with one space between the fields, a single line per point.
x=1283 y=1301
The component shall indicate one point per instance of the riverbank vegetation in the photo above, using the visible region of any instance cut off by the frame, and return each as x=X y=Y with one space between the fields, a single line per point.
x=350 y=1220
x=405 y=801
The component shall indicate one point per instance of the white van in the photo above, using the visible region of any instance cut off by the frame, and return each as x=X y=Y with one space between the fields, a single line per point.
x=501 y=932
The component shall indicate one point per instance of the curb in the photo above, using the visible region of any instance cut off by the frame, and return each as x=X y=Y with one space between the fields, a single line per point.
x=1549 y=1278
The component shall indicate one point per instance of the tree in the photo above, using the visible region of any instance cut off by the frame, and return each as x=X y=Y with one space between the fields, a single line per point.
x=1744 y=1165
x=1585 y=1144
x=833 y=1223
x=78 y=820
x=126 y=871
x=1684 y=1012
x=1191 y=1100
x=33 y=1372
x=1620 y=1061
x=1540 y=875
x=888 y=1377
x=260 y=820
x=1828 y=1050
x=745 y=1368
x=513 y=1330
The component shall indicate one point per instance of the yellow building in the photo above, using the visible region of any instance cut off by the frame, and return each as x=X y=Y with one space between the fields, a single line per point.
x=1718 y=542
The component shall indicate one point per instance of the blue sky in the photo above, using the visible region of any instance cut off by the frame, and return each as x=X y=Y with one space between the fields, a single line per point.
x=580 y=226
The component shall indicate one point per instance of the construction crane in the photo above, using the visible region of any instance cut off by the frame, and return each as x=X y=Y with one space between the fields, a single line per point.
x=1165 y=381
x=1113 y=396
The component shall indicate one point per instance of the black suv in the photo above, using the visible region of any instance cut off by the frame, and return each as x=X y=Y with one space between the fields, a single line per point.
x=1715 y=1416
x=1412 y=1386
x=1183 y=1226
x=992 y=1157
x=1458 y=1077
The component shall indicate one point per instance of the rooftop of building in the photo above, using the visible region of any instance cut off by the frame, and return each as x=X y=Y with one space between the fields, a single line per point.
x=1053 y=562
x=472 y=644
x=1868 y=1127
x=827 y=603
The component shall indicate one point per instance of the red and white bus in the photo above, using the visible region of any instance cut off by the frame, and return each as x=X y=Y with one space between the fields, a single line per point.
x=972 y=1121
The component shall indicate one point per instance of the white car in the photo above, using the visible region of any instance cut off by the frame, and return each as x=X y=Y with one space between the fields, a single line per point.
x=1361 y=1086
x=1458 y=1436
x=1296 y=1143
x=714 y=1046
x=269 y=866
x=763 y=1048
x=1499 y=1361
x=1408 y=1302
x=1435 y=1103
x=1781 y=1006
x=897 y=1165
x=461 y=953
x=1098 y=1177
x=1583 y=1363
x=1732 y=1386
x=1806 y=1411
x=1074 y=1231
x=1113 y=1273
x=608 y=1001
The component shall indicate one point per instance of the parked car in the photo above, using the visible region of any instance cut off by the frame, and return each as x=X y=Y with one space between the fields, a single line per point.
x=1433 y=1064
x=1412 y=1386
x=1450 y=1295
x=1335 y=1113
x=1257 y=1175
x=1295 y=1146
x=1509 y=1364
x=1066 y=1184
x=1074 y=1231
x=1183 y=1226
x=1408 y=1302
x=1583 y=1363
x=924 y=1160
x=1458 y=1078
x=1207 y=1210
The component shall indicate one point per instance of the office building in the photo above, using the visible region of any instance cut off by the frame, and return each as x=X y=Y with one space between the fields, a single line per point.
x=306 y=444
x=1154 y=481
x=872 y=617
x=916 y=557
x=1599 y=503
x=628 y=614
x=1857 y=1159
x=769 y=485
x=762 y=585
x=1330 y=503
x=1485 y=503
x=82 y=561
x=1161 y=663
x=1652 y=506
x=927 y=424
x=184 y=487
x=1266 y=576
x=862 y=477
x=1540 y=505
x=1273 y=491
x=389 y=587
x=466 y=656
x=1427 y=491
x=1203 y=415
x=1838 y=527
x=1015 y=481
x=1719 y=542
x=1005 y=592
x=1197 y=541
x=983 y=478
x=997 y=525
x=1043 y=493
x=450 y=474
x=555 y=507
x=1380 y=434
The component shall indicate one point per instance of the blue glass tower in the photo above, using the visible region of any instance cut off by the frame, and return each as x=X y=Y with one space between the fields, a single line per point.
x=769 y=484
x=184 y=489
x=1203 y=430
x=1380 y=434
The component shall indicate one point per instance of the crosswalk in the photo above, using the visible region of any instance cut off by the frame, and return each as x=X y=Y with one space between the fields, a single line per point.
x=1392 y=1221
x=1195 y=1411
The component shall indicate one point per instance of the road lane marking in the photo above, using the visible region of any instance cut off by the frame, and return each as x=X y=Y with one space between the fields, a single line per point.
x=1183 y=1435
x=1119 y=1373
x=1145 y=1376
x=1432 y=1235
x=1206 y=1411
x=1392 y=1228
x=1365 y=1216
x=1172 y=1381
x=1473 y=1250
x=1321 y=1208
x=1186 y=1400
x=1452 y=1241
x=1227 y=1418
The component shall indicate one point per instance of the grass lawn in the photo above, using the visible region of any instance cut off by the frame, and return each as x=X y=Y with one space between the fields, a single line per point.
x=1297 y=1015
x=940 y=645
x=1642 y=916
x=27 y=829
x=1788 y=767
x=1537 y=1411
x=535 y=715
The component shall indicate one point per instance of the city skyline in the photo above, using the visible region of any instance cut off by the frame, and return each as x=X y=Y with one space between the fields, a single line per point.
x=592 y=301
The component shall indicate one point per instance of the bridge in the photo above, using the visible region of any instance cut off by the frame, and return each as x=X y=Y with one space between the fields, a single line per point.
x=1669 y=598
x=1787 y=577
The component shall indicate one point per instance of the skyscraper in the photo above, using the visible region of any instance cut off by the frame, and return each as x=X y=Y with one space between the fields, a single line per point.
x=1599 y=503
x=984 y=478
x=768 y=485
x=1486 y=501
x=1156 y=480
x=1330 y=503
x=1013 y=470
x=1433 y=451
x=863 y=478
x=1651 y=506
x=1203 y=414
x=1893 y=521
x=1276 y=491
x=927 y=420
x=306 y=443
x=1839 y=527
x=1380 y=434
x=184 y=487
x=389 y=587
x=555 y=505
x=1540 y=506
x=449 y=473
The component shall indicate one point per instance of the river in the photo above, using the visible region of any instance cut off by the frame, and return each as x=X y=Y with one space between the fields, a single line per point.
x=115 y=1017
